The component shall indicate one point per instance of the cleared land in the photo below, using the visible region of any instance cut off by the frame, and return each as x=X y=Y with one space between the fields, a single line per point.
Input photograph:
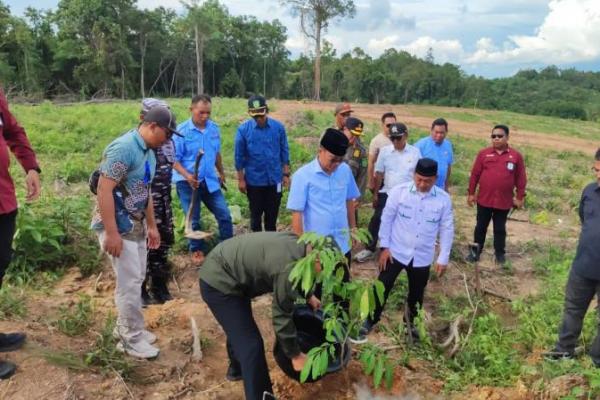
x=504 y=328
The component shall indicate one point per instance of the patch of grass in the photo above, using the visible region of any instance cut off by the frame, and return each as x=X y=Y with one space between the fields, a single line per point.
x=75 y=319
x=12 y=305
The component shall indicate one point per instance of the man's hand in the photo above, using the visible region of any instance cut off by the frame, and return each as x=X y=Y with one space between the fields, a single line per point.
x=314 y=302
x=32 y=180
x=191 y=179
x=153 y=238
x=471 y=200
x=518 y=203
x=286 y=182
x=440 y=269
x=242 y=185
x=113 y=244
x=384 y=258
x=298 y=362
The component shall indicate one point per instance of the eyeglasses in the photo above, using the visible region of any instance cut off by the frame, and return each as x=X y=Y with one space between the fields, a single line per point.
x=497 y=136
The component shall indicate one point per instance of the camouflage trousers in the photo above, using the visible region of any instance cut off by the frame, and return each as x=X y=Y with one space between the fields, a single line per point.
x=158 y=267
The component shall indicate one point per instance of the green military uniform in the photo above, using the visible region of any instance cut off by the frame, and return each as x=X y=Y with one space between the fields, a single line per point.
x=254 y=264
x=357 y=158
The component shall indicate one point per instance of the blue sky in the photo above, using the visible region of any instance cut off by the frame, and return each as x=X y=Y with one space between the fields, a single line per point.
x=491 y=38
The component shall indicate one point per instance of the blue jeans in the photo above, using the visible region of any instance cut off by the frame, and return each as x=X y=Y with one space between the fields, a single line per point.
x=216 y=204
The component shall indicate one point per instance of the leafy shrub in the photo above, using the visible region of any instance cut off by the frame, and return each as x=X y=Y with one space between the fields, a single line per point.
x=75 y=319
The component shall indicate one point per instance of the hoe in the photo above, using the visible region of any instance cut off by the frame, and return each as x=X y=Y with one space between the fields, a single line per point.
x=189 y=232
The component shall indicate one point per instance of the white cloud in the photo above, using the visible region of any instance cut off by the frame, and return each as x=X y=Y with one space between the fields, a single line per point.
x=570 y=33
x=443 y=50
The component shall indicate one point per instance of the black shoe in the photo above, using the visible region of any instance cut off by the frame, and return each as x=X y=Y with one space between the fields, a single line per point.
x=7 y=369
x=500 y=259
x=160 y=290
x=474 y=253
x=413 y=334
x=556 y=355
x=363 y=332
x=147 y=300
x=233 y=374
x=11 y=341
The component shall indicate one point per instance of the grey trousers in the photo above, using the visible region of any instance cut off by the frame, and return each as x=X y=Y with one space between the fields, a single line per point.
x=579 y=294
x=130 y=271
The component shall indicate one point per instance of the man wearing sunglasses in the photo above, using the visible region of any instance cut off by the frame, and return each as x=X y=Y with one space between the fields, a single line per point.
x=13 y=139
x=497 y=171
x=323 y=192
x=262 y=161
x=124 y=221
x=584 y=278
x=395 y=164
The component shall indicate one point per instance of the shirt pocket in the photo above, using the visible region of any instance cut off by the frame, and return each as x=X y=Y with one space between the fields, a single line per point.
x=433 y=217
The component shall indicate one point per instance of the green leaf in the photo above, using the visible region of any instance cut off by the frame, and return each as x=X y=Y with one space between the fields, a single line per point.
x=378 y=373
x=37 y=236
x=389 y=375
x=307 y=367
x=364 y=305
x=380 y=290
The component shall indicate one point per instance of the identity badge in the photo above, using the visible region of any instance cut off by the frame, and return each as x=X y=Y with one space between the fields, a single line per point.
x=510 y=166
x=1 y=122
x=279 y=187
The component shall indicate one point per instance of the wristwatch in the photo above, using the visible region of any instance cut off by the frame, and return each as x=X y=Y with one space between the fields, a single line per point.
x=286 y=174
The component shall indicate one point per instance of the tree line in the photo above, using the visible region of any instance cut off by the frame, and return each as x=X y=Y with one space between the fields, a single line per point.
x=111 y=48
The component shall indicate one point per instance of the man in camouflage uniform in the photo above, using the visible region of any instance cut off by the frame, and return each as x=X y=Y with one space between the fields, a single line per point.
x=158 y=270
x=356 y=156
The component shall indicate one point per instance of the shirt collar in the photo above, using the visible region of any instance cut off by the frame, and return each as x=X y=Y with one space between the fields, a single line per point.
x=317 y=169
x=255 y=124
x=139 y=140
x=432 y=192
x=493 y=150
x=194 y=127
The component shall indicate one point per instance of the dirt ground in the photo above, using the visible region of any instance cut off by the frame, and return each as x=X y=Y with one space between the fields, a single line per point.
x=175 y=376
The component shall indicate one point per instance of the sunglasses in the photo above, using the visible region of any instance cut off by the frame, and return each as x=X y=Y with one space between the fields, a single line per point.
x=497 y=136
x=388 y=126
x=397 y=138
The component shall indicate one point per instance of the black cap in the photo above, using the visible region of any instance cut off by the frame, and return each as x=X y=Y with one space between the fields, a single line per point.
x=426 y=167
x=163 y=118
x=355 y=126
x=398 y=129
x=257 y=105
x=335 y=142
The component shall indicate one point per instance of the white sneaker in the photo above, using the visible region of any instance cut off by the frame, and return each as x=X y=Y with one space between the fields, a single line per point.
x=147 y=336
x=140 y=349
x=364 y=255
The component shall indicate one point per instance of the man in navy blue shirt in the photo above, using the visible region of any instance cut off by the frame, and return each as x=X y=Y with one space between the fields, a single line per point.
x=262 y=161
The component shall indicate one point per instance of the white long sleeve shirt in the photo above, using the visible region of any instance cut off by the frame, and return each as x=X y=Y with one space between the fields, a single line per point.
x=411 y=221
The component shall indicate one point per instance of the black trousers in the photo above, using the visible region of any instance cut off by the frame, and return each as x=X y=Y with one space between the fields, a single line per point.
x=484 y=216
x=417 y=281
x=158 y=267
x=375 y=222
x=319 y=289
x=8 y=224
x=263 y=200
x=579 y=294
x=244 y=343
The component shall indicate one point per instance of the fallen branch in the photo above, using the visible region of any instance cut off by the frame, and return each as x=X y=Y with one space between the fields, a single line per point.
x=496 y=294
x=454 y=336
x=97 y=282
x=466 y=339
x=196 y=350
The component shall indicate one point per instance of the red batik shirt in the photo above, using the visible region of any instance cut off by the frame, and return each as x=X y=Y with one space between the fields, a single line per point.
x=497 y=176
x=12 y=136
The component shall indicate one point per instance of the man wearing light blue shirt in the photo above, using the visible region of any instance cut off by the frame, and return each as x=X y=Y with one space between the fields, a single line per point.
x=322 y=194
x=415 y=213
x=201 y=134
x=437 y=147
x=262 y=162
